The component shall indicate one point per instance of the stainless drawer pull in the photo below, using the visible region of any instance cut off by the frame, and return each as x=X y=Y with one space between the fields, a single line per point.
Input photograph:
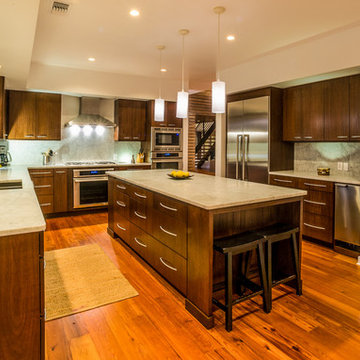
x=45 y=204
x=121 y=187
x=164 y=263
x=139 y=215
x=283 y=181
x=135 y=137
x=316 y=185
x=342 y=136
x=120 y=203
x=126 y=137
x=297 y=137
x=42 y=136
x=140 y=196
x=315 y=227
x=41 y=186
x=29 y=135
x=315 y=202
x=40 y=173
x=308 y=137
x=167 y=232
x=60 y=172
x=355 y=136
x=167 y=207
x=139 y=242
x=120 y=227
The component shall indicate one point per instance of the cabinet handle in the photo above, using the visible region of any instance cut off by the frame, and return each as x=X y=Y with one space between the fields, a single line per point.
x=283 y=181
x=315 y=202
x=135 y=137
x=126 y=137
x=167 y=232
x=60 y=172
x=140 y=243
x=120 y=227
x=167 y=207
x=121 y=187
x=342 y=136
x=44 y=263
x=42 y=136
x=315 y=185
x=45 y=204
x=164 y=263
x=139 y=215
x=41 y=186
x=314 y=227
x=297 y=137
x=40 y=173
x=355 y=136
x=140 y=196
x=120 y=203
x=308 y=137
x=171 y=124
x=29 y=136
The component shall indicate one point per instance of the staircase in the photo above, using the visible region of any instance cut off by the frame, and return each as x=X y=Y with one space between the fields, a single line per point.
x=205 y=149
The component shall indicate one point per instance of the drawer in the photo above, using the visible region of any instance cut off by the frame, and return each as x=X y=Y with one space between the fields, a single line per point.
x=170 y=232
x=317 y=227
x=142 y=243
x=121 y=204
x=287 y=181
x=170 y=207
x=122 y=227
x=46 y=203
x=317 y=185
x=140 y=215
x=43 y=185
x=41 y=172
x=141 y=195
x=121 y=186
x=319 y=202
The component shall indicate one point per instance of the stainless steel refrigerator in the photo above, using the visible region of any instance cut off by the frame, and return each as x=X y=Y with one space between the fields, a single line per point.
x=247 y=155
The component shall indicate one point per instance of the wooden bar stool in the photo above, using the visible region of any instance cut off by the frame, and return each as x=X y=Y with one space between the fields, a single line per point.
x=273 y=234
x=235 y=245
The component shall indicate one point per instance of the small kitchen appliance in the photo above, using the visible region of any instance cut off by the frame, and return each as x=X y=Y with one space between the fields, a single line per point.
x=5 y=157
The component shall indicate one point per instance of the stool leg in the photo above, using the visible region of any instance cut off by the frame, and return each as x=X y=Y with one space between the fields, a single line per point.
x=263 y=278
x=228 y=291
x=296 y=264
x=269 y=273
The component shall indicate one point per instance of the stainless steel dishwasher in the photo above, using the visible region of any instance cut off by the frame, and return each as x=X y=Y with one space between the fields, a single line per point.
x=347 y=213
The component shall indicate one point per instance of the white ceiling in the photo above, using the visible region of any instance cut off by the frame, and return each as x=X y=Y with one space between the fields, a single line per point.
x=127 y=45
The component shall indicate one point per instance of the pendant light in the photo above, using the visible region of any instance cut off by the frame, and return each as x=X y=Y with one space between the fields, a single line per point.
x=159 y=108
x=182 y=103
x=218 y=87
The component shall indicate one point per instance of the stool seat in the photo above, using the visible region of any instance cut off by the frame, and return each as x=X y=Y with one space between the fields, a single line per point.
x=236 y=242
x=277 y=231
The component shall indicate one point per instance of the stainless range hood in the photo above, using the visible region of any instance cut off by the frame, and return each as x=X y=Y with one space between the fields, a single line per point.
x=90 y=114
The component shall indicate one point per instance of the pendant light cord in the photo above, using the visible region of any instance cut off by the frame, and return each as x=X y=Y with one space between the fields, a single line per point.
x=183 y=63
x=160 y=74
x=218 y=54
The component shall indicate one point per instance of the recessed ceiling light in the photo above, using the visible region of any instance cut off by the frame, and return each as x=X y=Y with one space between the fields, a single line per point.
x=91 y=59
x=134 y=12
x=163 y=70
x=231 y=37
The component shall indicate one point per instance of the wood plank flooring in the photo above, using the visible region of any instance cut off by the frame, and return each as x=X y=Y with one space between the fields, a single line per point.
x=322 y=324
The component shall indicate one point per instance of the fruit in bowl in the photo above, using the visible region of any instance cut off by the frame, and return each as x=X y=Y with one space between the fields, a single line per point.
x=179 y=174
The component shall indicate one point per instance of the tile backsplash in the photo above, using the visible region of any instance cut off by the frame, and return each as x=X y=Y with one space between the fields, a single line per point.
x=310 y=156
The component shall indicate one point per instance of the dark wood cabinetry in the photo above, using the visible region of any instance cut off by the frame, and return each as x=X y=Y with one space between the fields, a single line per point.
x=170 y=119
x=130 y=116
x=60 y=190
x=2 y=108
x=355 y=108
x=34 y=116
x=22 y=297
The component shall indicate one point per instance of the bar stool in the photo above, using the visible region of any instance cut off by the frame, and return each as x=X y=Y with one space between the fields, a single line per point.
x=234 y=245
x=273 y=234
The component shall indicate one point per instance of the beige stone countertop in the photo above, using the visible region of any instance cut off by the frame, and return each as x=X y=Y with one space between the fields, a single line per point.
x=315 y=176
x=206 y=191
x=55 y=166
x=20 y=212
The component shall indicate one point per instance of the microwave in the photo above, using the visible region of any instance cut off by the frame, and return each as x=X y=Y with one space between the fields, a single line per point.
x=166 y=139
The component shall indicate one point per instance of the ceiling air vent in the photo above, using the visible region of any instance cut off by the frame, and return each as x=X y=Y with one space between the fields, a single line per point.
x=59 y=7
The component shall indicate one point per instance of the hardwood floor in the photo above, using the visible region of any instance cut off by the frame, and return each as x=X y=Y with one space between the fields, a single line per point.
x=322 y=324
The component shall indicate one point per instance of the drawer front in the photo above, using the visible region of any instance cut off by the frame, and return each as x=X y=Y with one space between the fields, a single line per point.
x=121 y=204
x=140 y=215
x=122 y=227
x=170 y=232
x=319 y=202
x=318 y=227
x=122 y=186
x=315 y=185
x=141 y=195
x=142 y=243
x=43 y=185
x=41 y=172
x=287 y=181
x=46 y=203
x=171 y=266
x=170 y=207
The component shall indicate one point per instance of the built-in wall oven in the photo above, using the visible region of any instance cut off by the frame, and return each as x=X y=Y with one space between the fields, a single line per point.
x=166 y=139
x=167 y=160
x=90 y=187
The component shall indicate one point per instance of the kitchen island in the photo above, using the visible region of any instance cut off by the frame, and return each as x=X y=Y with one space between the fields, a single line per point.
x=172 y=225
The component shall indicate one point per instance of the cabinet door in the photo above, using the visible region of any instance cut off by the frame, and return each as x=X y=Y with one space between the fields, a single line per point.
x=150 y=113
x=170 y=115
x=2 y=107
x=292 y=121
x=337 y=109
x=139 y=120
x=60 y=190
x=355 y=108
x=48 y=116
x=312 y=112
x=22 y=115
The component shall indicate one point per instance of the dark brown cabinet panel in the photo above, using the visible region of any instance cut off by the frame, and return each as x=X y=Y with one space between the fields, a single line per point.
x=336 y=111
x=48 y=119
x=355 y=108
x=130 y=116
x=60 y=190
x=170 y=119
x=292 y=130
x=2 y=107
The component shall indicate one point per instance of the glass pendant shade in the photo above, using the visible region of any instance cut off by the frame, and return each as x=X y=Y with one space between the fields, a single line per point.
x=159 y=110
x=218 y=97
x=182 y=104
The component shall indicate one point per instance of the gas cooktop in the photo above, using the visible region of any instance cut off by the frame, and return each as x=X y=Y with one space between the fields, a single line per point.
x=95 y=162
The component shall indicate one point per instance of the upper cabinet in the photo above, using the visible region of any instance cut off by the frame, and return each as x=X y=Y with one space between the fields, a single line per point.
x=355 y=108
x=130 y=116
x=2 y=107
x=170 y=119
x=34 y=116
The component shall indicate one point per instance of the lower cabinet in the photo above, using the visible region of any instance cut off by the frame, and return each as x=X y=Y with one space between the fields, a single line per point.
x=318 y=211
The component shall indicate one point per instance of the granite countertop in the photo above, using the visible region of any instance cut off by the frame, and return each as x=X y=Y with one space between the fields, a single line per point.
x=206 y=191
x=54 y=166
x=315 y=176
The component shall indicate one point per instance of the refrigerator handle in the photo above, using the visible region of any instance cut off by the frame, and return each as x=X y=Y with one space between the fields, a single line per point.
x=246 y=156
x=239 y=144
